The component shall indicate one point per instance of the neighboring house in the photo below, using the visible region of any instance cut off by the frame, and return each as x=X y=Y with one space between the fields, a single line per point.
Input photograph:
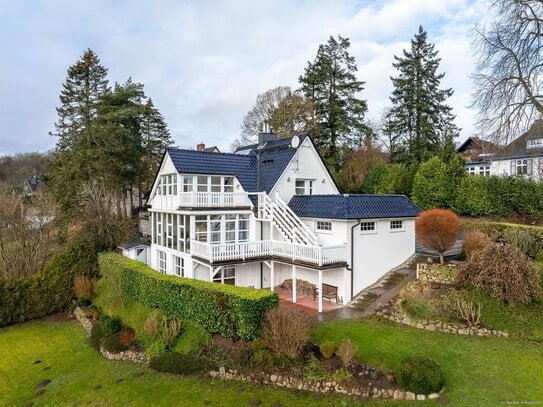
x=523 y=156
x=33 y=186
x=271 y=212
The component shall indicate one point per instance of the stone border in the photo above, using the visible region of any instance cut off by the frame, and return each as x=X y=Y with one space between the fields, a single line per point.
x=127 y=355
x=444 y=327
x=428 y=272
x=319 y=386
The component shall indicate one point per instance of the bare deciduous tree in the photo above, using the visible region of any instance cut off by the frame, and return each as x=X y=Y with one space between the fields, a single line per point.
x=27 y=238
x=509 y=70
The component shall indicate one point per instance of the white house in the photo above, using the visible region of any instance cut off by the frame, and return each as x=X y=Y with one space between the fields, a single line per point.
x=521 y=157
x=271 y=212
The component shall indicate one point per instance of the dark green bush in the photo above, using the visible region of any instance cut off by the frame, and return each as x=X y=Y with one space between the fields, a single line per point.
x=174 y=362
x=96 y=336
x=225 y=309
x=110 y=325
x=327 y=349
x=472 y=197
x=113 y=344
x=419 y=375
x=49 y=291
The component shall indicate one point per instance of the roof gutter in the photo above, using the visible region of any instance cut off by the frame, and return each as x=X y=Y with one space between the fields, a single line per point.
x=351 y=266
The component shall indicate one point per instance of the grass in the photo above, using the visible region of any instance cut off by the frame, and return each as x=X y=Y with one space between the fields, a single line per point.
x=478 y=371
x=80 y=376
x=417 y=307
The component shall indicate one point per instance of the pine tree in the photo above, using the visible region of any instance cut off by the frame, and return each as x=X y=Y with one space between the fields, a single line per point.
x=330 y=81
x=419 y=124
x=85 y=86
x=155 y=139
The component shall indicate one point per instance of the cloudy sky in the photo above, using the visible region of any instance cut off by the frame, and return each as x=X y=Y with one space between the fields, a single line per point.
x=204 y=62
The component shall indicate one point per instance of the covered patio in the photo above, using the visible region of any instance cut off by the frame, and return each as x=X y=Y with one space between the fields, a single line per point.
x=303 y=302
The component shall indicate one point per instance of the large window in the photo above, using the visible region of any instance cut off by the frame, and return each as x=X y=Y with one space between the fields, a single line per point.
x=162 y=262
x=225 y=275
x=171 y=231
x=304 y=187
x=188 y=183
x=222 y=228
x=213 y=183
x=167 y=185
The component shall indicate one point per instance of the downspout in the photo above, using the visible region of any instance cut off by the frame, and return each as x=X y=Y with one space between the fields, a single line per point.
x=351 y=268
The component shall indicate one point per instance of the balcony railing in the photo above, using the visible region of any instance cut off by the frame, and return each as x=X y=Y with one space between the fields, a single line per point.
x=317 y=255
x=214 y=199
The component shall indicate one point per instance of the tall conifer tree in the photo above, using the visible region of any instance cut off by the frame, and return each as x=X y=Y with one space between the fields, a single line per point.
x=419 y=124
x=330 y=81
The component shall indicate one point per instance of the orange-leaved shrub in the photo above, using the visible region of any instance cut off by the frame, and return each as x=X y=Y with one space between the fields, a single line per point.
x=504 y=272
x=437 y=229
x=285 y=331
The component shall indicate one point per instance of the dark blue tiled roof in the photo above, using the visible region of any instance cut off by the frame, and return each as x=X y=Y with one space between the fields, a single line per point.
x=203 y=162
x=353 y=206
x=270 y=160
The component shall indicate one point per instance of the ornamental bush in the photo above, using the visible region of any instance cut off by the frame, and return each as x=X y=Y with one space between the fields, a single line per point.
x=175 y=362
x=419 y=375
x=437 y=229
x=228 y=310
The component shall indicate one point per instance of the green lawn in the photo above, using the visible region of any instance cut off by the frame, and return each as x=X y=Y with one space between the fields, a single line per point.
x=479 y=371
x=80 y=376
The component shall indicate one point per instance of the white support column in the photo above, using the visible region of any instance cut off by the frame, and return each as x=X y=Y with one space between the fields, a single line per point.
x=320 y=291
x=211 y=273
x=272 y=275
x=294 y=283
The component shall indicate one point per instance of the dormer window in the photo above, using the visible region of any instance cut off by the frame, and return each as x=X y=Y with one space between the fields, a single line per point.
x=535 y=142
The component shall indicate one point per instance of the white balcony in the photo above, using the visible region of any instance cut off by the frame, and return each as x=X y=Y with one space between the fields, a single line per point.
x=315 y=255
x=214 y=199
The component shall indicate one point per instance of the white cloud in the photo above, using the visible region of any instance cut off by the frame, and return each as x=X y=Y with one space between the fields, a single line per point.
x=203 y=63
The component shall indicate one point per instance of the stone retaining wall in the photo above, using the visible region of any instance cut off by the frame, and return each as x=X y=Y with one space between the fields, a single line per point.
x=437 y=273
x=439 y=326
x=319 y=386
x=127 y=355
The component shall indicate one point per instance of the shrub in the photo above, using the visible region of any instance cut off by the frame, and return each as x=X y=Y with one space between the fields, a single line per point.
x=113 y=344
x=49 y=291
x=419 y=375
x=327 y=349
x=417 y=307
x=174 y=362
x=171 y=329
x=95 y=337
x=110 y=326
x=437 y=229
x=431 y=187
x=85 y=287
x=263 y=357
x=151 y=326
x=474 y=240
x=127 y=336
x=314 y=369
x=285 y=331
x=346 y=352
x=472 y=197
x=504 y=272
x=465 y=310
x=193 y=299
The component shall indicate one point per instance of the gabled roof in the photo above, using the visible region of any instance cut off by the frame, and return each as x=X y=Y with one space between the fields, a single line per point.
x=353 y=206
x=519 y=146
x=257 y=168
x=205 y=162
x=134 y=243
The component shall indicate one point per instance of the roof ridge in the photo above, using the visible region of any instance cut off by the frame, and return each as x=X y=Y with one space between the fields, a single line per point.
x=206 y=152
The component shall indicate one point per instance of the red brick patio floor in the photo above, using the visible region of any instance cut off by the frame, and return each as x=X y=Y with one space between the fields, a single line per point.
x=303 y=302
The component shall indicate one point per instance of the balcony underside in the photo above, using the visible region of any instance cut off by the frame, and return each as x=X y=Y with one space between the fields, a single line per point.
x=281 y=259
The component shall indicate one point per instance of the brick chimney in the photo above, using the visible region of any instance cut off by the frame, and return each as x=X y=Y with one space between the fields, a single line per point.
x=200 y=147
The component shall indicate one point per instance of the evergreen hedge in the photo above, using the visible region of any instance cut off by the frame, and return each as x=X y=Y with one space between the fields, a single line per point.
x=228 y=310
x=51 y=290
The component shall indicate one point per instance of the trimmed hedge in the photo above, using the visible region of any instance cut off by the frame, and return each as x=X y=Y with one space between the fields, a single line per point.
x=225 y=309
x=49 y=291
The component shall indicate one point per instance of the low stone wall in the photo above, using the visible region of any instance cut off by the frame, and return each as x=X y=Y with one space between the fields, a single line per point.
x=437 y=273
x=439 y=326
x=81 y=316
x=127 y=355
x=319 y=386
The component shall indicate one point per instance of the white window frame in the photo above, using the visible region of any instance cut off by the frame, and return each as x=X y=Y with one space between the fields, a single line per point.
x=162 y=262
x=471 y=170
x=521 y=167
x=226 y=273
x=393 y=225
x=323 y=226
x=535 y=142
x=365 y=227
x=307 y=186
x=179 y=266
